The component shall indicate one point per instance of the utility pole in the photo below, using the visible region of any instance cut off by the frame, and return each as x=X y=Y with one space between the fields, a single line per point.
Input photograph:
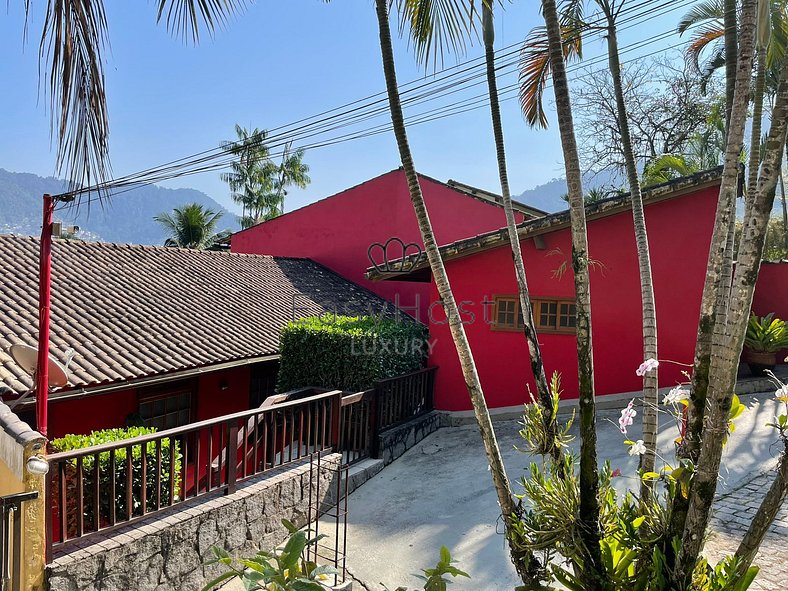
x=44 y=284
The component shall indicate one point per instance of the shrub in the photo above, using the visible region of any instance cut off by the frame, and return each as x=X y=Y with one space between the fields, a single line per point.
x=348 y=352
x=72 y=442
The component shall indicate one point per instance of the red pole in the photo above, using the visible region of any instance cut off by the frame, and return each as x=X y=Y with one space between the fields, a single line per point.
x=44 y=281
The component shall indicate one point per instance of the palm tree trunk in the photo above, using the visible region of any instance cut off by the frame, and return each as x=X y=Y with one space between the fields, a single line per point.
x=726 y=351
x=731 y=52
x=594 y=572
x=544 y=395
x=497 y=469
x=719 y=266
x=757 y=113
x=765 y=515
x=785 y=206
x=650 y=380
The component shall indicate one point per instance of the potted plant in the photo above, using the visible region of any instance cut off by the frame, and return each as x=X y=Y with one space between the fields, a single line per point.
x=766 y=335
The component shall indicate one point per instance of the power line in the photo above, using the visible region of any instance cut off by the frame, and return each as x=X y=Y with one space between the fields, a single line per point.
x=218 y=158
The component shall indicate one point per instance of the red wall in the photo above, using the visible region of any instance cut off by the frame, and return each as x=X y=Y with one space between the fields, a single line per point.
x=771 y=294
x=106 y=411
x=91 y=413
x=338 y=230
x=679 y=238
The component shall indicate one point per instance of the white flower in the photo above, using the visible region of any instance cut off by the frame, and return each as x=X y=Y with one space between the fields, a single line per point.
x=646 y=367
x=627 y=416
x=638 y=448
x=782 y=392
x=676 y=395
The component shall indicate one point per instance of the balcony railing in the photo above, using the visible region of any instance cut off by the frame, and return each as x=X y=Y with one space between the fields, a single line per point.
x=101 y=487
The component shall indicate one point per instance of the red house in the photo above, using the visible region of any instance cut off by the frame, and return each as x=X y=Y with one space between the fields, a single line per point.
x=338 y=231
x=679 y=219
x=157 y=336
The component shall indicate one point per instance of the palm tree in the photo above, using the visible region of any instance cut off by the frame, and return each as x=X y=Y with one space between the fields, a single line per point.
x=573 y=26
x=714 y=313
x=191 y=226
x=71 y=51
x=256 y=182
x=421 y=14
x=589 y=485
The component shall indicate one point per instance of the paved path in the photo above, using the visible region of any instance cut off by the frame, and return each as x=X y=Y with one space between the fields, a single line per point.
x=440 y=493
x=733 y=514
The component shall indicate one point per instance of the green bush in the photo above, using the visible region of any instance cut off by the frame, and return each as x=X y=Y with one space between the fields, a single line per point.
x=348 y=352
x=72 y=442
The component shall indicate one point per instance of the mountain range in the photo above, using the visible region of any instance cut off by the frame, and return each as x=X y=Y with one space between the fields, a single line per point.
x=119 y=220
x=127 y=220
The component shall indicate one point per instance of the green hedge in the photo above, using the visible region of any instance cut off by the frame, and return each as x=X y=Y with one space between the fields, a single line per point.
x=348 y=352
x=72 y=442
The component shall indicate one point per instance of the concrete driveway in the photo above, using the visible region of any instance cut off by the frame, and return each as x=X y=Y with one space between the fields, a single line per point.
x=440 y=493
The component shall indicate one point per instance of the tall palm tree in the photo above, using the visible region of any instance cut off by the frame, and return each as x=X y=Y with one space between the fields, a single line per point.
x=574 y=25
x=416 y=11
x=71 y=53
x=191 y=226
x=714 y=313
x=589 y=503
x=544 y=395
x=257 y=183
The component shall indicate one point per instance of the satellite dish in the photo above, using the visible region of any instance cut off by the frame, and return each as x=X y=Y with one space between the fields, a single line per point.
x=27 y=358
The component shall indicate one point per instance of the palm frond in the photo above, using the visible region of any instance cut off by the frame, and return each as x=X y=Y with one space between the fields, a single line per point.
x=778 y=43
x=70 y=52
x=703 y=38
x=186 y=18
x=436 y=27
x=710 y=10
x=535 y=69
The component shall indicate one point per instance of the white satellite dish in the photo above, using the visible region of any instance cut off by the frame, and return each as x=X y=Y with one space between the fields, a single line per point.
x=27 y=358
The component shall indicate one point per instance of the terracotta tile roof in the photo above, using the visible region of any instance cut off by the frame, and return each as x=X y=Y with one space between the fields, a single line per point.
x=132 y=311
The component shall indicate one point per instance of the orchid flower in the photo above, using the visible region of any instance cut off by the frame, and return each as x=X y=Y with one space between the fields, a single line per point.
x=647 y=366
x=676 y=395
x=627 y=416
x=638 y=448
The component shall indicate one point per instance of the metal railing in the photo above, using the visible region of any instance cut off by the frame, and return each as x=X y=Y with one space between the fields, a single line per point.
x=11 y=540
x=101 y=487
x=405 y=397
x=392 y=402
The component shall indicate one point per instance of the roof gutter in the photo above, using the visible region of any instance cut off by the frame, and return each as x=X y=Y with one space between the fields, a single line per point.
x=148 y=381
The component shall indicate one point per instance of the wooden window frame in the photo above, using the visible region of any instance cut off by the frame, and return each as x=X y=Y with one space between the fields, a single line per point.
x=552 y=329
x=168 y=390
x=516 y=327
x=536 y=303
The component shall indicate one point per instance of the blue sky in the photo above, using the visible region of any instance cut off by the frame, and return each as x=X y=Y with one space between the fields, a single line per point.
x=276 y=63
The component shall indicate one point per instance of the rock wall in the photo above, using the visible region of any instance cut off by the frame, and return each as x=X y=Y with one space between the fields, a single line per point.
x=167 y=552
x=395 y=442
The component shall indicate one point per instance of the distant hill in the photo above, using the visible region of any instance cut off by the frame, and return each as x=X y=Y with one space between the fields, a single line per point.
x=548 y=196
x=126 y=218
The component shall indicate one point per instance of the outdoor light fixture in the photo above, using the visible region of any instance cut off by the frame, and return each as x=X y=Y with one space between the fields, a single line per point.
x=37 y=465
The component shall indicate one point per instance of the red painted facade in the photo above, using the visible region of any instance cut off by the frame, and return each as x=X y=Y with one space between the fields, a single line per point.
x=771 y=294
x=679 y=236
x=215 y=393
x=338 y=230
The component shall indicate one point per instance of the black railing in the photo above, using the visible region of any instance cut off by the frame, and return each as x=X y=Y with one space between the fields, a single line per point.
x=392 y=402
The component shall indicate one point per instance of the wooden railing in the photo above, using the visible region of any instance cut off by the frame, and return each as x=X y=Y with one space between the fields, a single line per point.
x=101 y=487
x=390 y=403
x=98 y=488
x=404 y=397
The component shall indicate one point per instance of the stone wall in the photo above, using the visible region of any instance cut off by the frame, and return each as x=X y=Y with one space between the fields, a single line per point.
x=395 y=442
x=168 y=551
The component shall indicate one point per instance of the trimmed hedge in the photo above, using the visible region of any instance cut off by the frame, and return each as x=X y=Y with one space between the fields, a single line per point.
x=348 y=352
x=72 y=442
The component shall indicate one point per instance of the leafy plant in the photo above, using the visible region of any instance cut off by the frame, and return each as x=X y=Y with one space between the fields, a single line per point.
x=538 y=440
x=286 y=568
x=348 y=352
x=435 y=578
x=766 y=334
x=106 y=470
